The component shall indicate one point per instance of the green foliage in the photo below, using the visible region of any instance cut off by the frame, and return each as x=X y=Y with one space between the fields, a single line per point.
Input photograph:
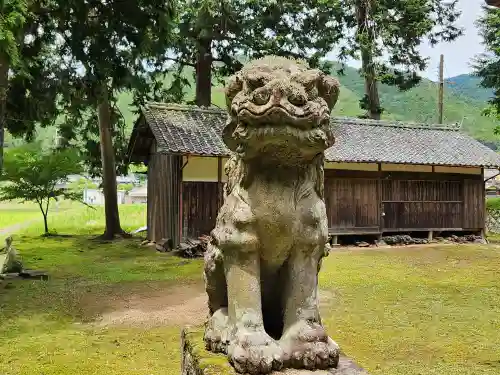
x=125 y=187
x=80 y=185
x=111 y=46
x=487 y=65
x=493 y=204
x=217 y=36
x=31 y=92
x=32 y=175
x=12 y=22
x=469 y=88
x=386 y=36
x=138 y=168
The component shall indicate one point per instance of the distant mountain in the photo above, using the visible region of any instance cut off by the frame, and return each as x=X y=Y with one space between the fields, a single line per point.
x=463 y=102
x=468 y=87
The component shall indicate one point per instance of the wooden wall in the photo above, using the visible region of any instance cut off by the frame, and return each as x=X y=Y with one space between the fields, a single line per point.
x=376 y=202
x=200 y=204
x=185 y=194
x=164 y=192
x=352 y=204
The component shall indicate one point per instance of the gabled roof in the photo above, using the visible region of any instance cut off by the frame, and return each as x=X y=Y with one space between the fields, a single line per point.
x=192 y=130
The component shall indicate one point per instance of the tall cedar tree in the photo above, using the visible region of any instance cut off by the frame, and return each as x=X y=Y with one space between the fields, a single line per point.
x=214 y=36
x=28 y=80
x=12 y=22
x=487 y=65
x=108 y=47
x=385 y=36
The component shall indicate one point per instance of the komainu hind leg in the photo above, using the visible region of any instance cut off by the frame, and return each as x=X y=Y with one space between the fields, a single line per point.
x=217 y=327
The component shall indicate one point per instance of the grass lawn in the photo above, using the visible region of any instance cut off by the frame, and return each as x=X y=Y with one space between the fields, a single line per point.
x=15 y=213
x=44 y=325
x=12 y=213
x=412 y=311
x=433 y=310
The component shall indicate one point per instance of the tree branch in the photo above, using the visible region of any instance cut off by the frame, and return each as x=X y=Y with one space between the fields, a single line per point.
x=181 y=62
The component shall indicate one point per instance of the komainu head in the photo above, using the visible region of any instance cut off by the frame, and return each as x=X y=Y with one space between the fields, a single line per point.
x=279 y=108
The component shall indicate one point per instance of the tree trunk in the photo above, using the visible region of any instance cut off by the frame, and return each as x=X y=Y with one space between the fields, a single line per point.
x=367 y=65
x=204 y=73
x=4 y=86
x=45 y=223
x=113 y=226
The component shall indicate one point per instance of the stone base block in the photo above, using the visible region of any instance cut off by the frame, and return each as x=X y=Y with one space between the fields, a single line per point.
x=198 y=361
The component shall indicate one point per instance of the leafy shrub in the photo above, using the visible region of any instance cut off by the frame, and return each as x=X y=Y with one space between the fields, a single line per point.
x=493 y=204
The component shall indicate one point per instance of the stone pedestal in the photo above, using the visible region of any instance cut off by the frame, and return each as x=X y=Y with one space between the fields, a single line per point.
x=198 y=361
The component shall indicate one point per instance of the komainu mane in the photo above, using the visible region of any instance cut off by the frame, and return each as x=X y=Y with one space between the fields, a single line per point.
x=261 y=269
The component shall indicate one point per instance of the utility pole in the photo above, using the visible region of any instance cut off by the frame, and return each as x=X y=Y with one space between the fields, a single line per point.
x=441 y=89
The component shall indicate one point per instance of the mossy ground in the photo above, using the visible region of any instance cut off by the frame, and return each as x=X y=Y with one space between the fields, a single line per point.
x=210 y=363
x=406 y=311
x=429 y=310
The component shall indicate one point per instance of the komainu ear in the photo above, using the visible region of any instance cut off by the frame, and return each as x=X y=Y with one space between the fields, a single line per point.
x=234 y=86
x=328 y=89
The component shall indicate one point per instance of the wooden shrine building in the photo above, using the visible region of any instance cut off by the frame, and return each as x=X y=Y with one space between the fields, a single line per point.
x=380 y=177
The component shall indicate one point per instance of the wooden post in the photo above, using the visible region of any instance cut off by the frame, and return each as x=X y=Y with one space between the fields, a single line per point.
x=441 y=89
x=335 y=240
x=219 y=182
x=430 y=236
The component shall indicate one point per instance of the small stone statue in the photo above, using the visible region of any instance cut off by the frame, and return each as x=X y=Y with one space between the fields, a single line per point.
x=10 y=261
x=261 y=268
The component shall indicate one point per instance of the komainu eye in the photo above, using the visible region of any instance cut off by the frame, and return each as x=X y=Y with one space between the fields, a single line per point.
x=260 y=97
x=255 y=81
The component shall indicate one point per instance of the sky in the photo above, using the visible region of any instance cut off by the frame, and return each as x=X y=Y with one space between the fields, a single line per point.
x=458 y=54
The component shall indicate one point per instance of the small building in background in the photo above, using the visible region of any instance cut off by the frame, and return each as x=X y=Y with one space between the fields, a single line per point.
x=380 y=176
x=96 y=196
x=138 y=195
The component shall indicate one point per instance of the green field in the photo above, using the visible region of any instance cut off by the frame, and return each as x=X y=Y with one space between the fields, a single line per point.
x=117 y=308
x=13 y=213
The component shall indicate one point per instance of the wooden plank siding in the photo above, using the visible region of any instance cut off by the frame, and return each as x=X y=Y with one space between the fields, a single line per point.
x=201 y=203
x=352 y=204
x=376 y=202
x=474 y=204
x=421 y=204
x=164 y=192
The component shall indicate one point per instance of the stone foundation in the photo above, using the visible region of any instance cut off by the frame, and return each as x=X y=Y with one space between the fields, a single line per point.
x=198 y=361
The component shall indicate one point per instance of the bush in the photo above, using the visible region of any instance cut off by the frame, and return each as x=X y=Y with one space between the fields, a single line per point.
x=493 y=204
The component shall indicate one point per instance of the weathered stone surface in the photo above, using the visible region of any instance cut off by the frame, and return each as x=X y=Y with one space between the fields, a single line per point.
x=164 y=245
x=196 y=360
x=261 y=265
x=10 y=261
x=362 y=244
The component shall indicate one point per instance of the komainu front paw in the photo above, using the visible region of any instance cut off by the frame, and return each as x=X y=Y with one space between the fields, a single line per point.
x=255 y=352
x=306 y=345
x=217 y=332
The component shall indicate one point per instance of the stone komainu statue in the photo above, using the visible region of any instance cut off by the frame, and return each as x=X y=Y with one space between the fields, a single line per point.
x=261 y=268
x=10 y=261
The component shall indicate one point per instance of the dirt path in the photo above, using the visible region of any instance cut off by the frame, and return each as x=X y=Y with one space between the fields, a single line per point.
x=185 y=304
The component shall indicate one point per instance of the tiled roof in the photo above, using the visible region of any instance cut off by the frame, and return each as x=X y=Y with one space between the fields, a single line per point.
x=193 y=130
